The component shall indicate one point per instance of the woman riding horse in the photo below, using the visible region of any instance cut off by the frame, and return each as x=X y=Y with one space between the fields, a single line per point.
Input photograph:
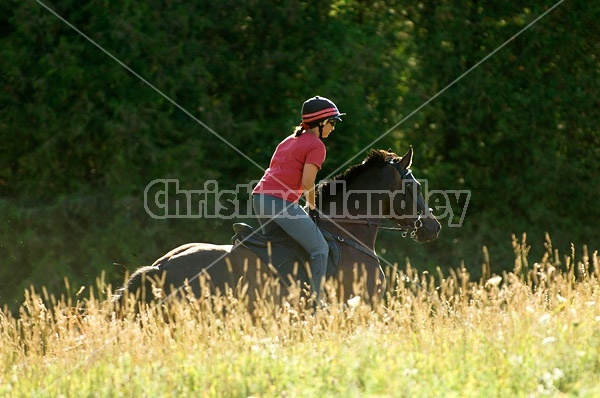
x=380 y=187
x=291 y=174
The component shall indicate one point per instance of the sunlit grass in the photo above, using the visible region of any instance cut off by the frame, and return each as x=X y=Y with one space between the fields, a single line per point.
x=531 y=332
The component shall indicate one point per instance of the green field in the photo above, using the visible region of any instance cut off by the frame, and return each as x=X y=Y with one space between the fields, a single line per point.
x=531 y=332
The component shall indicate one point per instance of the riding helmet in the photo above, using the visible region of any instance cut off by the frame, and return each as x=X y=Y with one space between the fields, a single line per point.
x=317 y=109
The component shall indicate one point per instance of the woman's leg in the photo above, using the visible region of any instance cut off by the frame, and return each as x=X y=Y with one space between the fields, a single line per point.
x=294 y=220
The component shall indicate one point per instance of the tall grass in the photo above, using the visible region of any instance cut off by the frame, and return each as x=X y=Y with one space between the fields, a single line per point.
x=531 y=332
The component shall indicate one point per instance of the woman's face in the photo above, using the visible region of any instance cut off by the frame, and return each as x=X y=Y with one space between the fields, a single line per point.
x=328 y=127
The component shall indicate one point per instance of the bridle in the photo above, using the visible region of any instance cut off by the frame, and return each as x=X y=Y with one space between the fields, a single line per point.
x=406 y=231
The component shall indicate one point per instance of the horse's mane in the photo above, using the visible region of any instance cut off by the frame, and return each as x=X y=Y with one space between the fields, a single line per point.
x=375 y=157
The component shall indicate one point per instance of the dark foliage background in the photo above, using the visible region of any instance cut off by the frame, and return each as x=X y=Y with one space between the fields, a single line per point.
x=81 y=137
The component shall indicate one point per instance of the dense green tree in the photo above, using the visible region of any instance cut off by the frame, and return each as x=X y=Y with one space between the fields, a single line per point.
x=81 y=134
x=520 y=130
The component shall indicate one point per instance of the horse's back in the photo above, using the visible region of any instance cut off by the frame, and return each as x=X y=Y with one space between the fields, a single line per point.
x=196 y=262
x=193 y=250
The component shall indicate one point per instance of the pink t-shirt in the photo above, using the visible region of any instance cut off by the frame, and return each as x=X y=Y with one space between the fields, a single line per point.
x=283 y=178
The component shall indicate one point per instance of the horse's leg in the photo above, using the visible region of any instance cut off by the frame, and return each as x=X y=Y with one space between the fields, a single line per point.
x=376 y=283
x=365 y=279
x=254 y=279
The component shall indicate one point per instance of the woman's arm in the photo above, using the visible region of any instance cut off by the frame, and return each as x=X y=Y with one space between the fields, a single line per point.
x=309 y=176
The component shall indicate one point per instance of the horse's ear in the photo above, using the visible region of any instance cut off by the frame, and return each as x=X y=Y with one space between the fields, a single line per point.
x=407 y=159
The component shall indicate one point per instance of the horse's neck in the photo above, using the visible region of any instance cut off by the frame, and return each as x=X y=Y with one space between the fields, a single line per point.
x=354 y=226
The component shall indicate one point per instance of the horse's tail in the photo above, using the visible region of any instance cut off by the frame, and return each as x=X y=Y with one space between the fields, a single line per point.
x=142 y=283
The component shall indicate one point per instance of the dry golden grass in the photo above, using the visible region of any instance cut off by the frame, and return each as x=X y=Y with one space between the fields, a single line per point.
x=531 y=332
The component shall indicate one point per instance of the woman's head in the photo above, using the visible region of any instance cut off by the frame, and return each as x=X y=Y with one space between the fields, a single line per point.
x=317 y=110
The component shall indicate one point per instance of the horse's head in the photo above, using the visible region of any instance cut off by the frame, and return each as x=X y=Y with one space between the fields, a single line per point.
x=381 y=186
x=409 y=208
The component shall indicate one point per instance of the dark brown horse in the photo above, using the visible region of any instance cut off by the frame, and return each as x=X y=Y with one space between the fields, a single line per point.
x=353 y=204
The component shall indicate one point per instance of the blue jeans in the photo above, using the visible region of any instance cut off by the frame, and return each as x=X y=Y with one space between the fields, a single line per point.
x=293 y=219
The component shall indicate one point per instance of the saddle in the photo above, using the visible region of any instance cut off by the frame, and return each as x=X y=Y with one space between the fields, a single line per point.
x=283 y=252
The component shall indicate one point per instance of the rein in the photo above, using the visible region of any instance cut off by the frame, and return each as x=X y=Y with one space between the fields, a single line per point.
x=406 y=231
x=361 y=246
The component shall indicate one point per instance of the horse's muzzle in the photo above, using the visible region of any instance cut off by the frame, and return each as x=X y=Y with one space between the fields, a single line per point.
x=429 y=230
